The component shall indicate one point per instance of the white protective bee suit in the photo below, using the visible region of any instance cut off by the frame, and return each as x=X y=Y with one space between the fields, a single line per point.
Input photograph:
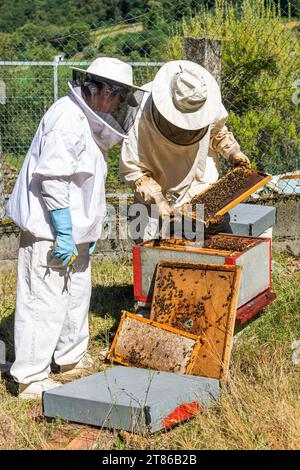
x=180 y=171
x=64 y=167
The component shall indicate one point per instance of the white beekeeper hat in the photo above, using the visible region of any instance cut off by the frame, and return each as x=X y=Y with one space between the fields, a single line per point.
x=186 y=94
x=112 y=69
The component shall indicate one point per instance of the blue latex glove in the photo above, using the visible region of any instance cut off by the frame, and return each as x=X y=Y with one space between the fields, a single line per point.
x=92 y=247
x=65 y=246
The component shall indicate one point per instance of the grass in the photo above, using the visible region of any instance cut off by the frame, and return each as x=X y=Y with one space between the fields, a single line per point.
x=259 y=408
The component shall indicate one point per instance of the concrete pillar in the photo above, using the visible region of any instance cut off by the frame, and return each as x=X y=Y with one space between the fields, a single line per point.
x=206 y=52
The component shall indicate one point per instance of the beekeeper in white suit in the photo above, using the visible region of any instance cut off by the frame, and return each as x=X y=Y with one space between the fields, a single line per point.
x=171 y=152
x=59 y=204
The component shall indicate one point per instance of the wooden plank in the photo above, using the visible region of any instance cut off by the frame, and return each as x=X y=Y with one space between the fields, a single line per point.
x=61 y=438
x=200 y=299
x=290 y=177
x=85 y=440
x=59 y=441
x=191 y=249
x=230 y=322
x=140 y=342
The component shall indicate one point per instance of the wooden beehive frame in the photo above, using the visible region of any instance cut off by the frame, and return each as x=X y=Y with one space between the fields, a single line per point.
x=236 y=201
x=210 y=251
x=127 y=315
x=223 y=330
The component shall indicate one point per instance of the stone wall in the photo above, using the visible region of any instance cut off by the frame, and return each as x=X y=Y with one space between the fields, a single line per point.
x=286 y=233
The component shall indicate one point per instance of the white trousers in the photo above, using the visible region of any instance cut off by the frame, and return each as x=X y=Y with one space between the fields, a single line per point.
x=51 y=319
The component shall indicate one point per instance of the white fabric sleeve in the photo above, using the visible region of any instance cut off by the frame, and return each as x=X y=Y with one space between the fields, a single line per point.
x=59 y=154
x=55 y=192
x=221 y=140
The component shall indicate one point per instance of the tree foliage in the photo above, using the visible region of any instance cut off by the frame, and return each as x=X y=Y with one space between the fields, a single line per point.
x=260 y=65
x=260 y=60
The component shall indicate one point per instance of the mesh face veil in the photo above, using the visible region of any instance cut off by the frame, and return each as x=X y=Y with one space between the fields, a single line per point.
x=175 y=134
x=131 y=99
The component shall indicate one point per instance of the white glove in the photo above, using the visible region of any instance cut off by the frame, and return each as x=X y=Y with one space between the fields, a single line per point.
x=239 y=159
x=164 y=208
x=150 y=191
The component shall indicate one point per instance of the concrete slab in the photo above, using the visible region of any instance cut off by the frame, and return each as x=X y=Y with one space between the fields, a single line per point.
x=131 y=399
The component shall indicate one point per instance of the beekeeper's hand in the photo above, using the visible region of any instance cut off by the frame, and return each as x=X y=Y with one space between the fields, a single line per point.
x=150 y=191
x=185 y=210
x=239 y=159
x=163 y=207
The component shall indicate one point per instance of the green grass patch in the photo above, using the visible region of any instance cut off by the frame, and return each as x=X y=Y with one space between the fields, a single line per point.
x=259 y=408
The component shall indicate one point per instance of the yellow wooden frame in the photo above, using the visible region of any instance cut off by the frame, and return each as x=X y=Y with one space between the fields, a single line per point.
x=120 y=360
x=237 y=270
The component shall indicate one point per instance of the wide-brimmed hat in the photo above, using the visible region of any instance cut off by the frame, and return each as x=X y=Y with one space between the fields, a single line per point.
x=112 y=69
x=186 y=94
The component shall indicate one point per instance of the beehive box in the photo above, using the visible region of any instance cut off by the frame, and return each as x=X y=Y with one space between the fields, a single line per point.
x=131 y=399
x=227 y=192
x=251 y=253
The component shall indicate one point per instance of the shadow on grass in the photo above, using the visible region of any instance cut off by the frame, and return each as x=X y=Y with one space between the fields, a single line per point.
x=7 y=336
x=108 y=301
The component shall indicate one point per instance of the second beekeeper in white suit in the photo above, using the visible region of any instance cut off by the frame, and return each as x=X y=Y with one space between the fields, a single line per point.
x=59 y=204
x=171 y=152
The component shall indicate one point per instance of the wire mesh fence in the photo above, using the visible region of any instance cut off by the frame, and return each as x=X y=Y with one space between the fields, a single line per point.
x=30 y=89
x=260 y=70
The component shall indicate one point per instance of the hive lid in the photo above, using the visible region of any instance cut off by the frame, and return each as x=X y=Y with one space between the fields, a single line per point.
x=131 y=399
x=199 y=299
x=228 y=191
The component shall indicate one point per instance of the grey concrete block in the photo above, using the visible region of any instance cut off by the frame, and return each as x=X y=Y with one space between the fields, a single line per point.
x=131 y=399
x=251 y=219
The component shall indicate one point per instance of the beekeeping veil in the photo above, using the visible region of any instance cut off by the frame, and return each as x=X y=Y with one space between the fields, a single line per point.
x=117 y=76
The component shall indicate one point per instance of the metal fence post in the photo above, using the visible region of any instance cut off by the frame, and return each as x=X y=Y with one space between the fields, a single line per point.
x=206 y=52
x=57 y=59
x=2 y=199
